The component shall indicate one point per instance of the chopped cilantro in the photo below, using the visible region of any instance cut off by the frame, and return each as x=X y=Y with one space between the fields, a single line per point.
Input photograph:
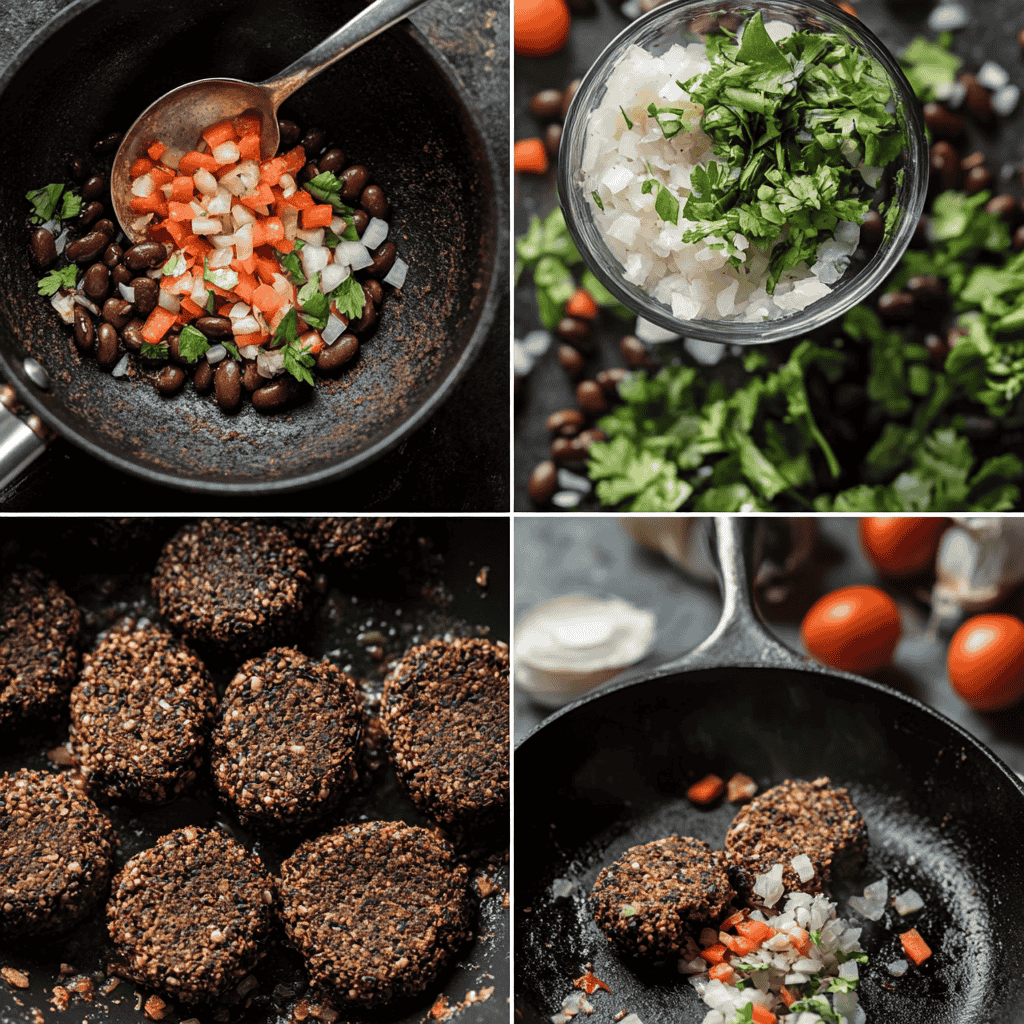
x=210 y=304
x=629 y=124
x=816 y=937
x=155 y=352
x=326 y=188
x=57 y=279
x=672 y=120
x=666 y=206
x=297 y=361
x=44 y=202
x=293 y=267
x=232 y=350
x=349 y=298
x=842 y=985
x=315 y=305
x=175 y=266
x=192 y=344
x=71 y=205
x=597 y=201
x=929 y=67
x=222 y=277
x=818 y=1005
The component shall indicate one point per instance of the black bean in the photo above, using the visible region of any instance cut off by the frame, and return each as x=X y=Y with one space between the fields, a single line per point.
x=1018 y=239
x=360 y=218
x=586 y=438
x=570 y=360
x=374 y=202
x=563 y=450
x=333 y=160
x=979 y=428
x=928 y=290
x=106 y=345
x=872 y=229
x=896 y=306
x=145 y=255
x=43 y=246
x=953 y=336
x=84 y=330
x=108 y=144
x=591 y=398
x=943 y=123
x=383 y=259
x=576 y=332
x=251 y=379
x=309 y=171
x=203 y=377
x=107 y=226
x=334 y=356
x=169 y=380
x=978 y=101
x=117 y=312
x=275 y=395
x=976 y=159
x=977 y=179
x=131 y=334
x=611 y=379
x=214 y=326
x=90 y=212
x=565 y=422
x=289 y=132
x=553 y=139
x=94 y=187
x=96 y=282
x=313 y=141
x=87 y=248
x=937 y=347
x=227 y=383
x=147 y=291
x=546 y=105
x=112 y=255
x=944 y=166
x=173 y=349
x=1006 y=208
x=543 y=482
x=567 y=96
x=369 y=317
x=375 y=291
x=121 y=274
x=76 y=168
x=353 y=180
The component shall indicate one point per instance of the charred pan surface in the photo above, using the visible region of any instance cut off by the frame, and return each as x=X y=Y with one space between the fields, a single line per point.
x=286 y=747
x=376 y=909
x=39 y=630
x=656 y=895
x=191 y=915
x=352 y=544
x=789 y=819
x=238 y=587
x=57 y=854
x=140 y=716
x=445 y=712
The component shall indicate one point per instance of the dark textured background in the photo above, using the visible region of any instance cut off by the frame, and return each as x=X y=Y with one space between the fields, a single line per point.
x=457 y=462
x=564 y=555
x=991 y=35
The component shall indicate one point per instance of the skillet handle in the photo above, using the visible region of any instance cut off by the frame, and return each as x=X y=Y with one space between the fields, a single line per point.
x=740 y=638
x=21 y=441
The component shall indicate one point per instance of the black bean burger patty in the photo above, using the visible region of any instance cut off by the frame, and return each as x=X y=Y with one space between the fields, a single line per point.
x=191 y=915
x=56 y=854
x=351 y=543
x=789 y=819
x=234 y=586
x=656 y=895
x=286 y=745
x=140 y=715
x=39 y=630
x=377 y=910
x=445 y=712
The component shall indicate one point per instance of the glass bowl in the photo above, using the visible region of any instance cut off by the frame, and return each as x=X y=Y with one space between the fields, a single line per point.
x=687 y=21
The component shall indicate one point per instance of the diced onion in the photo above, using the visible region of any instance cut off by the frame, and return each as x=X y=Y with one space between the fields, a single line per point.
x=172 y=157
x=168 y=301
x=249 y=351
x=375 y=233
x=127 y=292
x=219 y=258
x=122 y=367
x=269 y=364
x=223 y=241
x=225 y=153
x=220 y=203
x=242 y=215
x=80 y=300
x=215 y=354
x=61 y=240
x=247 y=325
x=143 y=186
x=332 y=276
x=244 y=180
x=65 y=306
x=200 y=293
x=334 y=329
x=290 y=220
x=205 y=182
x=314 y=259
x=353 y=254
x=315 y=236
x=238 y=310
x=396 y=275
x=206 y=226
x=243 y=242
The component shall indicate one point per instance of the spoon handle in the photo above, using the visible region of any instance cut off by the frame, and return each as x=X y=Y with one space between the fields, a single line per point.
x=380 y=15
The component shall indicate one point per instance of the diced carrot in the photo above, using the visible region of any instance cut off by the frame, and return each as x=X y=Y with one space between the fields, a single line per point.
x=530 y=156
x=762 y=1016
x=756 y=931
x=180 y=211
x=178 y=231
x=714 y=954
x=193 y=309
x=732 y=920
x=271 y=170
x=157 y=325
x=914 y=946
x=249 y=147
x=246 y=267
x=223 y=131
x=248 y=124
x=740 y=945
x=800 y=939
x=245 y=288
x=262 y=197
x=272 y=230
x=141 y=166
x=196 y=246
x=156 y=151
x=266 y=299
x=183 y=189
x=300 y=200
x=788 y=997
x=723 y=973
x=225 y=309
x=150 y=204
x=180 y=285
x=159 y=232
x=162 y=176
x=581 y=303
x=193 y=160
x=294 y=160
x=706 y=790
x=285 y=245
x=266 y=268
x=319 y=216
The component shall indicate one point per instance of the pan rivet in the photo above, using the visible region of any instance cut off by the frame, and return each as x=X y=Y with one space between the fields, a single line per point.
x=35 y=373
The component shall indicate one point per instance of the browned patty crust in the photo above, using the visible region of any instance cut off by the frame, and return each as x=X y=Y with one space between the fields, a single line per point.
x=349 y=543
x=39 y=629
x=286 y=745
x=657 y=894
x=236 y=586
x=141 y=714
x=377 y=909
x=789 y=819
x=191 y=915
x=56 y=854
x=445 y=711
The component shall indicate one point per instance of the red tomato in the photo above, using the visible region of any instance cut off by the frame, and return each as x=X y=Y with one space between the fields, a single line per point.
x=985 y=662
x=899 y=546
x=855 y=629
x=541 y=27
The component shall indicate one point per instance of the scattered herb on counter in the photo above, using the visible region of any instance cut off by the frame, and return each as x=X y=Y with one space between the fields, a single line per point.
x=930 y=68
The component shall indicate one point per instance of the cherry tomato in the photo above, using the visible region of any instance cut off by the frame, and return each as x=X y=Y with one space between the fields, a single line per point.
x=899 y=546
x=541 y=27
x=985 y=662
x=855 y=629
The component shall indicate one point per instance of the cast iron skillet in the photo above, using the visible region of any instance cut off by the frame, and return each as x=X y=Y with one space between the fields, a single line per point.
x=107 y=572
x=394 y=105
x=610 y=771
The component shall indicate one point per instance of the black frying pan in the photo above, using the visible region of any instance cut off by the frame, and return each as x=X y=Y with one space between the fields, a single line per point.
x=394 y=105
x=610 y=771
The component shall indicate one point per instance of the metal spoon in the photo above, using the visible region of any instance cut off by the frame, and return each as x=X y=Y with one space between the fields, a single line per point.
x=177 y=118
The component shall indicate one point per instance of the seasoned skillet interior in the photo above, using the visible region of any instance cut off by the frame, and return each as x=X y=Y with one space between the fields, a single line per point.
x=612 y=773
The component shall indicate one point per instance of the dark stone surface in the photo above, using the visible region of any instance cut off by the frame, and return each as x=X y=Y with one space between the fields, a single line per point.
x=564 y=555
x=991 y=35
x=457 y=462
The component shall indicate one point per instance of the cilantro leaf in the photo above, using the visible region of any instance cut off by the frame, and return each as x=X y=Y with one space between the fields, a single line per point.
x=232 y=350
x=597 y=201
x=297 y=360
x=71 y=205
x=349 y=298
x=44 y=202
x=57 y=279
x=292 y=266
x=629 y=124
x=192 y=343
x=665 y=204
x=316 y=306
